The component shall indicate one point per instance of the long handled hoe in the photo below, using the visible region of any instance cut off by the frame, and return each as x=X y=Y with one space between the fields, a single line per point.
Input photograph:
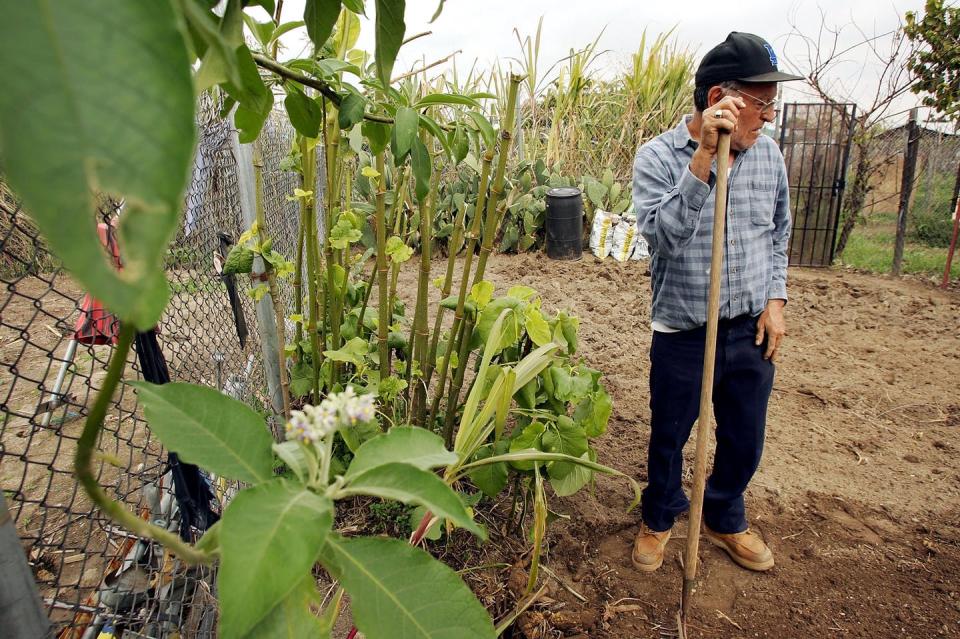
x=706 y=387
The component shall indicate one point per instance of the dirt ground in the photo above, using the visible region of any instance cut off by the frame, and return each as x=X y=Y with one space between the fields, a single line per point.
x=858 y=493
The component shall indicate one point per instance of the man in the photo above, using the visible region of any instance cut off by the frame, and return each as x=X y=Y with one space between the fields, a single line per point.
x=673 y=179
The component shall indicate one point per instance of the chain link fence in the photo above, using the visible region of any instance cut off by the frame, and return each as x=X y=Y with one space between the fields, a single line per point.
x=54 y=348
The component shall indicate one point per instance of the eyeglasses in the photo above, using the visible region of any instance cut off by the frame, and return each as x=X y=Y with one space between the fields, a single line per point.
x=773 y=106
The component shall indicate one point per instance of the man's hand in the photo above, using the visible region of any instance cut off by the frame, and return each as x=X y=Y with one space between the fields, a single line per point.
x=710 y=129
x=772 y=327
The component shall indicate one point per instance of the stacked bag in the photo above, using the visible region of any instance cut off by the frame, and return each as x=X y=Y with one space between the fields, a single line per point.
x=617 y=235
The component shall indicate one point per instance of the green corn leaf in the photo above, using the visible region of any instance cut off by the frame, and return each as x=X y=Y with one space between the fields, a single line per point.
x=320 y=16
x=447 y=99
x=411 y=485
x=351 y=110
x=394 y=590
x=70 y=127
x=209 y=429
x=415 y=446
x=270 y=538
x=422 y=168
x=483 y=125
x=305 y=114
x=389 y=27
x=404 y=133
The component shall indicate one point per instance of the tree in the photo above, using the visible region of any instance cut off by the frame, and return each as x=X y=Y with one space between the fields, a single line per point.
x=936 y=61
x=821 y=68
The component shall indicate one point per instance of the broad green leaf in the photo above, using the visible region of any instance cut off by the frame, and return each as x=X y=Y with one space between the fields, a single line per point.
x=294 y=454
x=594 y=413
x=422 y=167
x=431 y=125
x=565 y=436
x=567 y=478
x=492 y=478
x=596 y=192
x=397 y=251
x=209 y=429
x=351 y=110
x=404 y=133
x=268 y=5
x=521 y=292
x=448 y=99
x=389 y=28
x=254 y=98
x=569 y=387
x=483 y=125
x=320 y=16
x=71 y=127
x=569 y=326
x=407 y=444
x=489 y=315
x=292 y=618
x=347 y=30
x=529 y=437
x=352 y=352
x=412 y=485
x=377 y=134
x=537 y=327
x=356 y=6
x=511 y=235
x=481 y=293
x=394 y=590
x=305 y=114
x=270 y=538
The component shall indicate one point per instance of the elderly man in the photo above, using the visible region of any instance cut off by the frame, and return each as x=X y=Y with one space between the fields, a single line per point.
x=673 y=179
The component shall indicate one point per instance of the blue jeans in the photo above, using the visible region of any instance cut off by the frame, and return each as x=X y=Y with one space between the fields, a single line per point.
x=742 y=384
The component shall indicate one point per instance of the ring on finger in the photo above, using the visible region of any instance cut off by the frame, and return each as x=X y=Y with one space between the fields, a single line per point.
x=718 y=113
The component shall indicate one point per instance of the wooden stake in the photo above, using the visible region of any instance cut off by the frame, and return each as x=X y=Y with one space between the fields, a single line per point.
x=706 y=386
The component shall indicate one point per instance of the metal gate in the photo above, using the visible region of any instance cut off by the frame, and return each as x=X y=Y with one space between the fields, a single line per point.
x=815 y=140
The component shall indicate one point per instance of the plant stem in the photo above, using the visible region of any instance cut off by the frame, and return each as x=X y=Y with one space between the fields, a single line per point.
x=298 y=275
x=419 y=349
x=472 y=238
x=490 y=228
x=383 y=323
x=84 y=455
x=331 y=134
x=272 y=283
x=308 y=161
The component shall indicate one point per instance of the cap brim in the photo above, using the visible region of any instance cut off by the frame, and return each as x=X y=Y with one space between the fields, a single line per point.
x=773 y=76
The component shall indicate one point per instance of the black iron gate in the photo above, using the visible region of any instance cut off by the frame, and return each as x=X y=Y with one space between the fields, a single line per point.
x=815 y=140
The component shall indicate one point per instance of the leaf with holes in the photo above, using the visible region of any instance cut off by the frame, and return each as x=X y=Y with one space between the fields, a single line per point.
x=70 y=127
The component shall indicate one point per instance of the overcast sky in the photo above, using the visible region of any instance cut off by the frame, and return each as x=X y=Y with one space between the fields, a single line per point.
x=484 y=30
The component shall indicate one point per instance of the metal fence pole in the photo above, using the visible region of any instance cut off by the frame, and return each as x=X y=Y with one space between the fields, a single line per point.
x=955 y=207
x=906 y=188
x=21 y=613
x=266 y=324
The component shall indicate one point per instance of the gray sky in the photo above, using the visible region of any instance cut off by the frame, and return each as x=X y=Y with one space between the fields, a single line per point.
x=484 y=31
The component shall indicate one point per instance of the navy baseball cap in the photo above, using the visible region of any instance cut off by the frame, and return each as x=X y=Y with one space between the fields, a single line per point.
x=744 y=57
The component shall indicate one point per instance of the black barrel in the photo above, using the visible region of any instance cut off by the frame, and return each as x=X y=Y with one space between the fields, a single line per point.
x=564 y=223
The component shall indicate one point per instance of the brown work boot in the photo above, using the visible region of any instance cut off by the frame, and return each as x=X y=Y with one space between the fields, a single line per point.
x=746 y=548
x=648 y=548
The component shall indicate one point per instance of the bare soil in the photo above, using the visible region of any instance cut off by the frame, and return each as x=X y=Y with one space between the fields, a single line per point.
x=858 y=494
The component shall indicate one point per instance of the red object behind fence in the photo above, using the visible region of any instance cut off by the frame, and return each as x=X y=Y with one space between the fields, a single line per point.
x=97 y=325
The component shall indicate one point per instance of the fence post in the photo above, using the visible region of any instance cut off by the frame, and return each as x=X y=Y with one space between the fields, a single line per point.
x=906 y=188
x=955 y=207
x=21 y=613
x=266 y=324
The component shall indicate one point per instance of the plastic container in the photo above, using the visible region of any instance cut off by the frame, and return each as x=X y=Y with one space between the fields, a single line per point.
x=564 y=223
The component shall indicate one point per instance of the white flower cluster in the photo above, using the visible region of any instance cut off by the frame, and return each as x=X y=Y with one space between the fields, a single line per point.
x=313 y=423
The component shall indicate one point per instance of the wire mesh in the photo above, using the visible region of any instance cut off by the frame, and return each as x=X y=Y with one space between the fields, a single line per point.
x=92 y=575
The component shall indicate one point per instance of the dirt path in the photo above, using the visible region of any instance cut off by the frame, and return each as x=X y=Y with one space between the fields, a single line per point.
x=858 y=493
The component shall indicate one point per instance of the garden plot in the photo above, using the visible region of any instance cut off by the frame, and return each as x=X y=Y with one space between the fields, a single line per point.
x=858 y=493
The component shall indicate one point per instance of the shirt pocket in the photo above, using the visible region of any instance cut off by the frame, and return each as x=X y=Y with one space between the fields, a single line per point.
x=763 y=201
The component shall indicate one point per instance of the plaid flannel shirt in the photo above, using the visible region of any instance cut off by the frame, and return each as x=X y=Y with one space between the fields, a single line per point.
x=675 y=215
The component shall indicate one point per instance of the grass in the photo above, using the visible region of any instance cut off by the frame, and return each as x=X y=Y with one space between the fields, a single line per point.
x=871 y=248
